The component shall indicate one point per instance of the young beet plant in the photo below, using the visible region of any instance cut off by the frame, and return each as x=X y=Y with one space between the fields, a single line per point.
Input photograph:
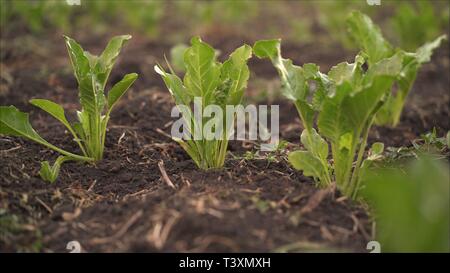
x=206 y=83
x=371 y=41
x=89 y=131
x=343 y=104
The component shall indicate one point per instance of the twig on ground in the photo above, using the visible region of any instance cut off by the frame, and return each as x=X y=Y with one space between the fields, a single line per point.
x=165 y=177
x=92 y=185
x=120 y=138
x=11 y=149
x=159 y=131
x=44 y=205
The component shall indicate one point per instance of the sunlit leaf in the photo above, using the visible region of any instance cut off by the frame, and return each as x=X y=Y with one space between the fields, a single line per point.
x=119 y=89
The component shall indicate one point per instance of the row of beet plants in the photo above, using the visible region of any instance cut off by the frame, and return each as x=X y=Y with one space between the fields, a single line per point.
x=337 y=109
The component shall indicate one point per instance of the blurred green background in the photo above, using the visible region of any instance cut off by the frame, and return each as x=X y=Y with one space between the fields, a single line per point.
x=406 y=23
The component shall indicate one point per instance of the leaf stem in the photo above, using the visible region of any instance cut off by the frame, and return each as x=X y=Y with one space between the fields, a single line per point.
x=355 y=181
x=66 y=153
x=77 y=140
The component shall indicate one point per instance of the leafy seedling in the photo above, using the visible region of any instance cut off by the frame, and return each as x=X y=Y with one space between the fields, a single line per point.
x=89 y=131
x=343 y=104
x=213 y=83
x=369 y=38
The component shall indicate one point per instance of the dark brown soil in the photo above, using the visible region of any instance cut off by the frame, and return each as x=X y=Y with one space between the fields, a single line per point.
x=123 y=204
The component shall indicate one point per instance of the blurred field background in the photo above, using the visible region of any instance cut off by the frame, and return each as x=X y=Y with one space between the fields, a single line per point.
x=406 y=23
x=312 y=31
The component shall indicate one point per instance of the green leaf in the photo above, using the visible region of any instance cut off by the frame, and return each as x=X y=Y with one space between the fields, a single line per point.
x=16 y=123
x=202 y=70
x=318 y=98
x=267 y=48
x=368 y=37
x=294 y=80
x=333 y=123
x=391 y=67
x=363 y=104
x=119 y=89
x=318 y=148
x=314 y=143
x=89 y=98
x=175 y=86
x=311 y=71
x=423 y=54
x=177 y=55
x=308 y=163
x=92 y=59
x=58 y=112
x=53 y=109
x=294 y=83
x=391 y=112
x=236 y=70
x=80 y=62
x=377 y=83
x=332 y=120
x=346 y=141
x=50 y=173
x=351 y=73
x=106 y=60
x=78 y=128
